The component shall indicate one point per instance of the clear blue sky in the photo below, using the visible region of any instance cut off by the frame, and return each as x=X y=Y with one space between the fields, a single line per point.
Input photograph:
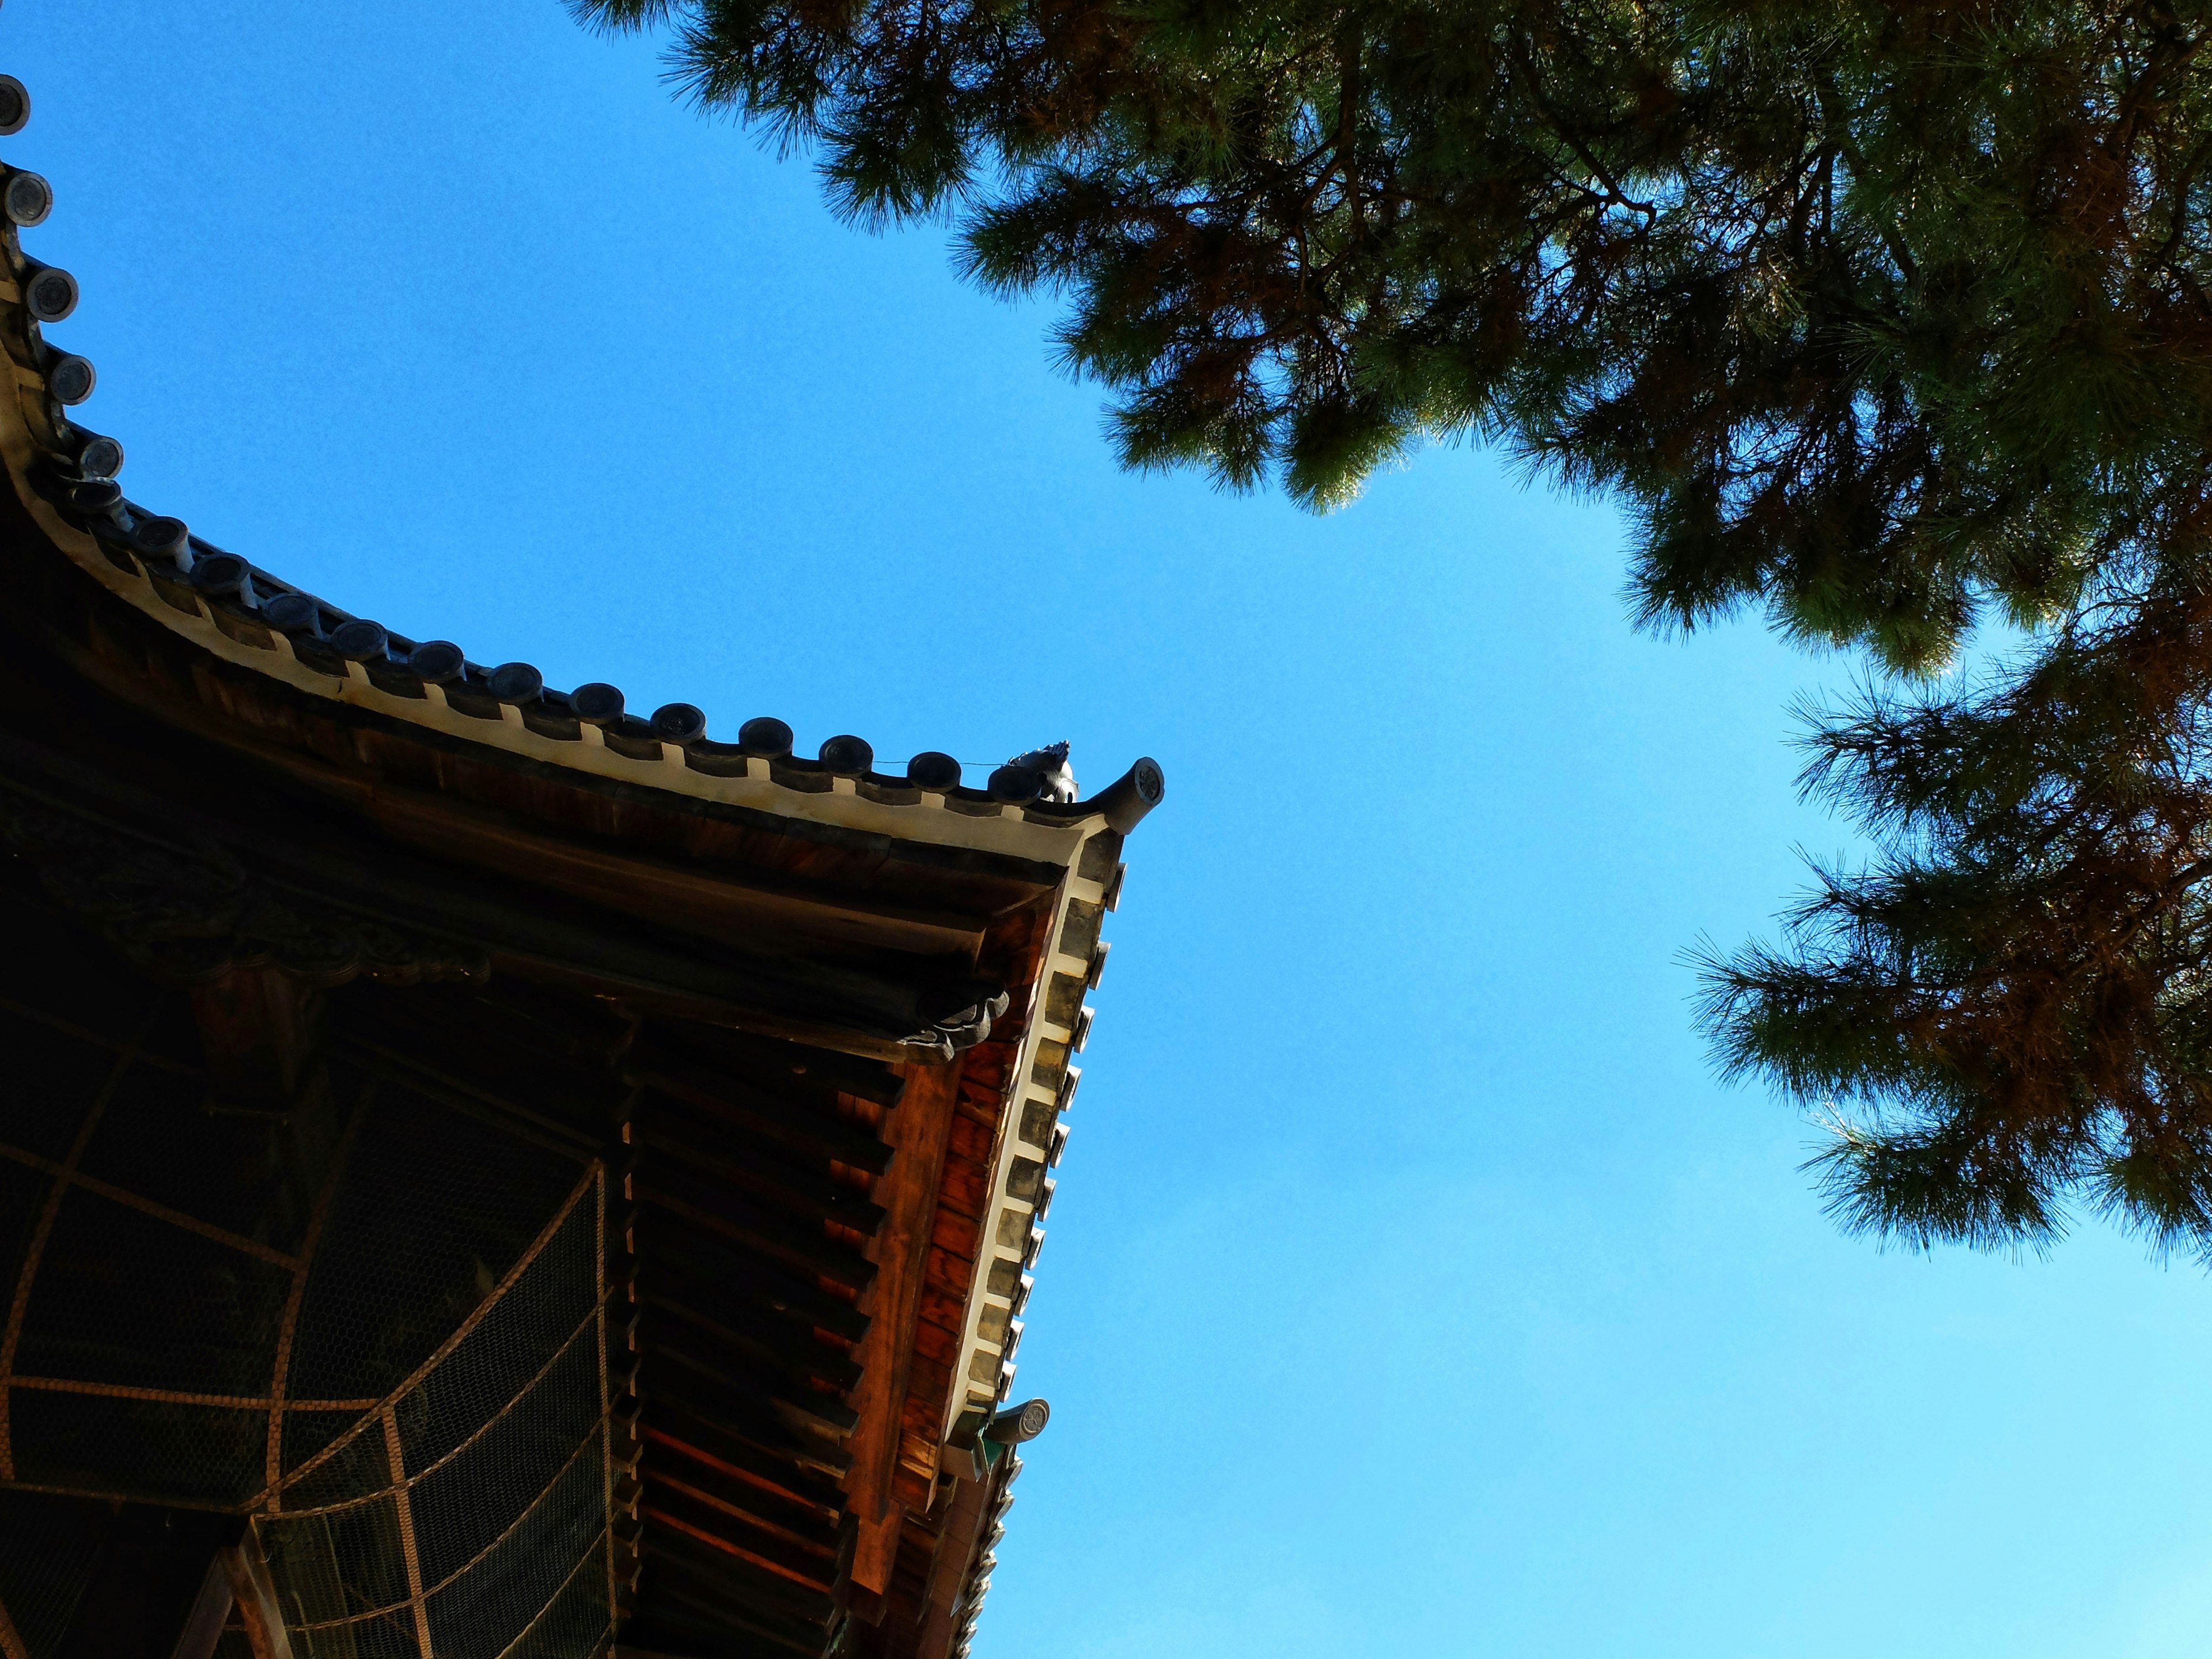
x=1412 y=1287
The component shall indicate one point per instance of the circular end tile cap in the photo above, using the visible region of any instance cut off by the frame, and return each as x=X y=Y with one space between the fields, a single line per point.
x=165 y=538
x=517 y=682
x=293 y=613
x=100 y=497
x=27 y=199
x=100 y=458
x=51 y=293
x=359 y=638
x=437 y=660
x=71 y=379
x=847 y=755
x=220 y=573
x=14 y=106
x=1017 y=784
x=765 y=738
x=935 y=770
x=599 y=702
x=679 y=722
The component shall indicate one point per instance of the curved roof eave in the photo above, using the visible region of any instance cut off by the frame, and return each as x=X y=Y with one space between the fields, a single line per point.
x=246 y=615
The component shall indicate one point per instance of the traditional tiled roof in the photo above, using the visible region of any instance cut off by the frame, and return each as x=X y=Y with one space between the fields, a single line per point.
x=251 y=618
x=314 y=644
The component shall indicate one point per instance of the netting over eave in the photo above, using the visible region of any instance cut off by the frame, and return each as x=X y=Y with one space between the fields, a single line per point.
x=466 y=1513
x=374 y=1324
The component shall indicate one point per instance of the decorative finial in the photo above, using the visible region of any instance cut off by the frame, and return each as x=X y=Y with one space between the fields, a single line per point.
x=1057 y=781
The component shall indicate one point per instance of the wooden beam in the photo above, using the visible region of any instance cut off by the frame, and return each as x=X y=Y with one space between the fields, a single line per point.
x=948 y=1573
x=714 y=1272
x=818 y=1416
x=776 y=1235
x=257 y=1607
x=708 y=1411
x=697 y=1596
x=806 y=1547
x=810 y=1564
x=528 y=929
x=917 y=1131
x=729 y=1573
x=712 y=899
x=262 y=1031
x=811 y=1133
x=210 y=1613
x=778 y=1357
x=806 y=1190
x=738 y=1463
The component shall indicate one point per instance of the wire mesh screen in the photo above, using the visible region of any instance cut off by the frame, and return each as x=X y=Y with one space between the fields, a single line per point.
x=372 y=1324
x=465 y=1514
x=49 y=1551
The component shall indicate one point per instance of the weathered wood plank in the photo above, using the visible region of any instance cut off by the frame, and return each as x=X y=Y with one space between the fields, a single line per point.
x=910 y=1192
x=715 y=1272
x=776 y=1234
x=726 y=1101
x=810 y=1194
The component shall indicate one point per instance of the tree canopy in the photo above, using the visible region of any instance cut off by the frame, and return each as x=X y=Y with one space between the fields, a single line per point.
x=2015 y=992
x=1888 y=317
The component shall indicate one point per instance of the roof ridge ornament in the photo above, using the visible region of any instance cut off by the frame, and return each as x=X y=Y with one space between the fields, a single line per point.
x=1056 y=781
x=980 y=1438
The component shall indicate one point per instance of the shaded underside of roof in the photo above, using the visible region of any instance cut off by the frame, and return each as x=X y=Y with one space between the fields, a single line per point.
x=804 y=1027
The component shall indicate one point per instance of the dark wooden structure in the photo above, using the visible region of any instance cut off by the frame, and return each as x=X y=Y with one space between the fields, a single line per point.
x=483 y=1173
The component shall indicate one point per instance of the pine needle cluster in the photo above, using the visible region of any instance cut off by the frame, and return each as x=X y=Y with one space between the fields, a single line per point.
x=1885 y=317
x=2010 y=1005
x=1878 y=313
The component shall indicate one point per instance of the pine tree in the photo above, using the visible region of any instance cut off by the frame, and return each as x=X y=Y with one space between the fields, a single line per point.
x=1877 y=314
x=1886 y=316
x=2015 y=994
